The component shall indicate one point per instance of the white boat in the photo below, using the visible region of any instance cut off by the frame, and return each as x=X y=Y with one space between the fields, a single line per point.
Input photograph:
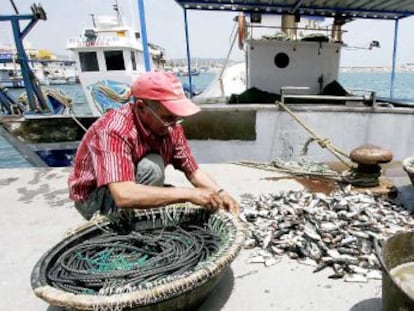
x=110 y=51
x=295 y=71
x=295 y=66
x=10 y=77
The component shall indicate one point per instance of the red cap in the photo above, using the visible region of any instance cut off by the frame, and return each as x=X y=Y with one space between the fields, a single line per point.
x=165 y=88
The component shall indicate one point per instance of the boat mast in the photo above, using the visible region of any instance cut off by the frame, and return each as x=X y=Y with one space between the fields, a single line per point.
x=118 y=13
x=34 y=94
x=93 y=20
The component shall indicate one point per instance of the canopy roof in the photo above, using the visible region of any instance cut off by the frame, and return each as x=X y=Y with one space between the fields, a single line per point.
x=375 y=9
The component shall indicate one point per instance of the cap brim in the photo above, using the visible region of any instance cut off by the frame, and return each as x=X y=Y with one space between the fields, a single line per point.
x=181 y=107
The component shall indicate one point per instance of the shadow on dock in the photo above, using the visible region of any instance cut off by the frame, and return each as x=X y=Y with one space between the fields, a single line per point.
x=373 y=304
x=215 y=300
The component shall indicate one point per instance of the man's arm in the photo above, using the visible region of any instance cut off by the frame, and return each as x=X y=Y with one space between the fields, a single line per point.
x=201 y=179
x=128 y=194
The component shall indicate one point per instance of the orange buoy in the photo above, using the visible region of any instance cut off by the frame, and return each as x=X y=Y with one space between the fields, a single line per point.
x=241 y=29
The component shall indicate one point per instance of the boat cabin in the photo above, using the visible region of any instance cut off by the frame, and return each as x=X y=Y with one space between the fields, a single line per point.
x=287 y=59
x=110 y=51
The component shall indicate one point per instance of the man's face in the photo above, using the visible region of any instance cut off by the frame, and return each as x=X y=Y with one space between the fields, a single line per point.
x=157 y=118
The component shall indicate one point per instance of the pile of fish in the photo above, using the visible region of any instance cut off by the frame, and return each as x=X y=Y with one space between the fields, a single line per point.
x=336 y=231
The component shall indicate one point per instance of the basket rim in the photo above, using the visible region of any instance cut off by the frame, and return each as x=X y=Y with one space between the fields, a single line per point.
x=408 y=165
x=158 y=293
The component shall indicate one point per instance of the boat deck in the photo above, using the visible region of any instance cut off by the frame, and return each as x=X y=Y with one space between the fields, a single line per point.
x=37 y=213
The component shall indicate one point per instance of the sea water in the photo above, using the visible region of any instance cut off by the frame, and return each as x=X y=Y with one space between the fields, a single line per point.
x=403 y=276
x=379 y=82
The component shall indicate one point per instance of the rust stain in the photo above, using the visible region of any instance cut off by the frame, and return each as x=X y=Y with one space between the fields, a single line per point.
x=323 y=185
x=327 y=186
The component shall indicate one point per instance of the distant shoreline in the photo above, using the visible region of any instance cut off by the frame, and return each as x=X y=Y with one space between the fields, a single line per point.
x=386 y=69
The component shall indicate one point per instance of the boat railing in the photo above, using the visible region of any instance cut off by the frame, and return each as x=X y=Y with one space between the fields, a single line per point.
x=300 y=33
x=291 y=92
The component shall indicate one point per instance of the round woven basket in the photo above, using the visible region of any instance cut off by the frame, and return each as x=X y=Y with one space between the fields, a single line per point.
x=408 y=165
x=181 y=294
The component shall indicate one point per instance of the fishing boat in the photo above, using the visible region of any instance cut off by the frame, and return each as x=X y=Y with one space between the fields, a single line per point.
x=109 y=56
x=46 y=68
x=10 y=77
x=287 y=70
x=110 y=53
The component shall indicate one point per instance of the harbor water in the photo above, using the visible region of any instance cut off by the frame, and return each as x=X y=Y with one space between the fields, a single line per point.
x=379 y=82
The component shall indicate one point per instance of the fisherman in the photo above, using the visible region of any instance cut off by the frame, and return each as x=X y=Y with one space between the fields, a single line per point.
x=121 y=160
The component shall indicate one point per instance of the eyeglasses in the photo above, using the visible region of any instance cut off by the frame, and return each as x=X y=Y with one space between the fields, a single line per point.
x=166 y=122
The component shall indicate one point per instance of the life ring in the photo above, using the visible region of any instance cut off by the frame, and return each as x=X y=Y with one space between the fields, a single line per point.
x=241 y=29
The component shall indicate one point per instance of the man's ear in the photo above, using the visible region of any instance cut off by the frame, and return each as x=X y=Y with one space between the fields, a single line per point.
x=140 y=103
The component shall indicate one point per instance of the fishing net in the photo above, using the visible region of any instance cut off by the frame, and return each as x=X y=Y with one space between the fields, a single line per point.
x=114 y=263
x=56 y=100
x=302 y=167
x=107 y=94
x=161 y=256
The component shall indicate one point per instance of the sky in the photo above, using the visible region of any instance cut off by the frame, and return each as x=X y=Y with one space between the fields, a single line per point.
x=209 y=32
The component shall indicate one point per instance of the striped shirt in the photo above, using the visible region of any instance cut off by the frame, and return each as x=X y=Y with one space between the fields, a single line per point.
x=115 y=143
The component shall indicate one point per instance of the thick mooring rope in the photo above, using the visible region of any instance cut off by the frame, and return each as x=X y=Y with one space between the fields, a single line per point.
x=323 y=142
x=114 y=263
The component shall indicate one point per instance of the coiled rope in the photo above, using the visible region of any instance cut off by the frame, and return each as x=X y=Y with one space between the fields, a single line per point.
x=118 y=263
x=122 y=95
x=56 y=94
x=107 y=94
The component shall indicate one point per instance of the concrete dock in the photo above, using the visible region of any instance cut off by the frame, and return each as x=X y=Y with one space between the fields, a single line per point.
x=36 y=214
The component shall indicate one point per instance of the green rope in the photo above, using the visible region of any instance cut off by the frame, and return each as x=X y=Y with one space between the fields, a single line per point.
x=304 y=168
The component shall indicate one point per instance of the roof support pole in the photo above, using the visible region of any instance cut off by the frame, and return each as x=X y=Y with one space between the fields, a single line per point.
x=394 y=57
x=188 y=53
x=143 y=24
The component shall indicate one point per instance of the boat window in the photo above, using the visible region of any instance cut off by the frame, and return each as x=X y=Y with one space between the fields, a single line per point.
x=114 y=60
x=281 y=60
x=133 y=62
x=88 y=61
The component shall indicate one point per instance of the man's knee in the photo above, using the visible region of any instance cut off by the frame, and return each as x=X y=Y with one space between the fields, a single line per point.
x=99 y=200
x=85 y=209
x=151 y=170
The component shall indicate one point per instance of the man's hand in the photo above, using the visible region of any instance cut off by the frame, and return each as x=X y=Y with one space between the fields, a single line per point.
x=230 y=204
x=206 y=197
x=215 y=200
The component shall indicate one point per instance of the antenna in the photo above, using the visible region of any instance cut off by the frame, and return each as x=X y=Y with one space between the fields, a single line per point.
x=118 y=12
x=14 y=6
x=93 y=19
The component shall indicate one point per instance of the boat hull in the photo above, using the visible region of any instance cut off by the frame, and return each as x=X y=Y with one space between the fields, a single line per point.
x=224 y=133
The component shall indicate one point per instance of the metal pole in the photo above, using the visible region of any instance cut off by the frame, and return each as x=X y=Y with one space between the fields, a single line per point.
x=394 y=56
x=220 y=78
x=14 y=7
x=23 y=63
x=141 y=11
x=188 y=53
